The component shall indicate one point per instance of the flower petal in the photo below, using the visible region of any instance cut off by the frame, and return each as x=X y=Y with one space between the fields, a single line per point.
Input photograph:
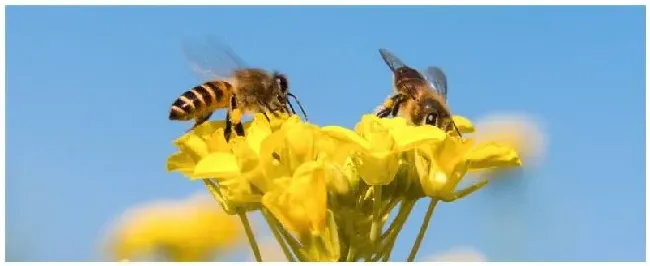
x=432 y=178
x=192 y=145
x=206 y=129
x=411 y=136
x=378 y=168
x=216 y=142
x=218 y=165
x=463 y=124
x=300 y=205
x=181 y=162
x=492 y=155
x=347 y=136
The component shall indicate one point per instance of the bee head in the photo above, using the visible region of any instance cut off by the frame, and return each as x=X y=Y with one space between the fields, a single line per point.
x=281 y=82
x=436 y=113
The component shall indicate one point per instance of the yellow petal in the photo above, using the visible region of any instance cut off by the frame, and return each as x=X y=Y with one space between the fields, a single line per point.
x=217 y=165
x=347 y=136
x=181 y=162
x=302 y=204
x=246 y=157
x=192 y=145
x=367 y=122
x=300 y=140
x=239 y=191
x=255 y=135
x=216 y=142
x=491 y=155
x=206 y=129
x=258 y=131
x=270 y=153
x=432 y=178
x=378 y=168
x=394 y=123
x=408 y=137
x=463 y=124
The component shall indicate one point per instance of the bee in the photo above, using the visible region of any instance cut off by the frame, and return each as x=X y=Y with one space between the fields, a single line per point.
x=420 y=97
x=232 y=85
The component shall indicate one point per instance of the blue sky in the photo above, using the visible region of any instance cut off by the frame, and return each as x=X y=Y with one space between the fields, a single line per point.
x=88 y=92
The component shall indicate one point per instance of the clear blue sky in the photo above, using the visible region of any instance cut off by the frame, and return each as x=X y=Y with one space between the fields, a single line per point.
x=88 y=92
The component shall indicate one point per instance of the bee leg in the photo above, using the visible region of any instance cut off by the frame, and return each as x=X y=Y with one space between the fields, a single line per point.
x=388 y=106
x=227 y=132
x=235 y=116
x=269 y=110
x=401 y=98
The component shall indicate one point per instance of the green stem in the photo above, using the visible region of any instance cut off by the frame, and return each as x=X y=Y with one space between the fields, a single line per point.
x=278 y=237
x=352 y=252
x=292 y=242
x=388 y=251
x=375 y=228
x=391 y=234
x=423 y=230
x=250 y=235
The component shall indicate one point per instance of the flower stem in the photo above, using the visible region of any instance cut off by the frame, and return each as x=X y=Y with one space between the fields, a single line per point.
x=376 y=219
x=250 y=235
x=423 y=229
x=292 y=242
x=391 y=234
x=278 y=237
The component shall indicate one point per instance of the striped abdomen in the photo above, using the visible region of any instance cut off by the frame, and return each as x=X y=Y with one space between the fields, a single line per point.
x=201 y=100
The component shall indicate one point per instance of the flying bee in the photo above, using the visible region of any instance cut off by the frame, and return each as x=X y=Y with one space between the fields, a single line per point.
x=419 y=97
x=230 y=85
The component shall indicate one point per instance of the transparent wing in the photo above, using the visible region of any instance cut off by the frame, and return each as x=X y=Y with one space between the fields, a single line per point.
x=210 y=58
x=437 y=78
x=391 y=60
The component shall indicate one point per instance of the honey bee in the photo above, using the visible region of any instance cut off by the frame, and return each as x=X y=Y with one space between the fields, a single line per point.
x=419 y=97
x=230 y=85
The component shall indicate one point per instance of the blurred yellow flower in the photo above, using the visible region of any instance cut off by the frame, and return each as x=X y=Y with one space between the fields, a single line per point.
x=521 y=131
x=194 y=229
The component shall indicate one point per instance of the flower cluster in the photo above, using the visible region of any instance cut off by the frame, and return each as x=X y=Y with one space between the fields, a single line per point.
x=326 y=192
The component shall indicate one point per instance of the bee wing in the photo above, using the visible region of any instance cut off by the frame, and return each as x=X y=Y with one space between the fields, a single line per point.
x=391 y=60
x=437 y=78
x=211 y=59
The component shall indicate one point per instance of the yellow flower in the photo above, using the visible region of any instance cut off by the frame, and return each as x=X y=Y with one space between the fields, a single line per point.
x=196 y=144
x=241 y=159
x=293 y=144
x=193 y=229
x=299 y=201
x=379 y=141
x=441 y=166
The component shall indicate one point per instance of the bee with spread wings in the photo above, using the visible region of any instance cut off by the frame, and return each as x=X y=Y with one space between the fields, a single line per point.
x=229 y=84
x=420 y=97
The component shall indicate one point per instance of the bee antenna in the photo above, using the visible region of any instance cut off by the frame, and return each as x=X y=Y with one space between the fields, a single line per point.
x=293 y=111
x=299 y=105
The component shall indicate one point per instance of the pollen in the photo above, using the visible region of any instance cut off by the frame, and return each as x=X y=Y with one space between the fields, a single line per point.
x=389 y=103
x=235 y=116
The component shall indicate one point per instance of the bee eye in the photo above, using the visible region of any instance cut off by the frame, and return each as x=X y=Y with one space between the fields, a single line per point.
x=431 y=119
x=282 y=83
